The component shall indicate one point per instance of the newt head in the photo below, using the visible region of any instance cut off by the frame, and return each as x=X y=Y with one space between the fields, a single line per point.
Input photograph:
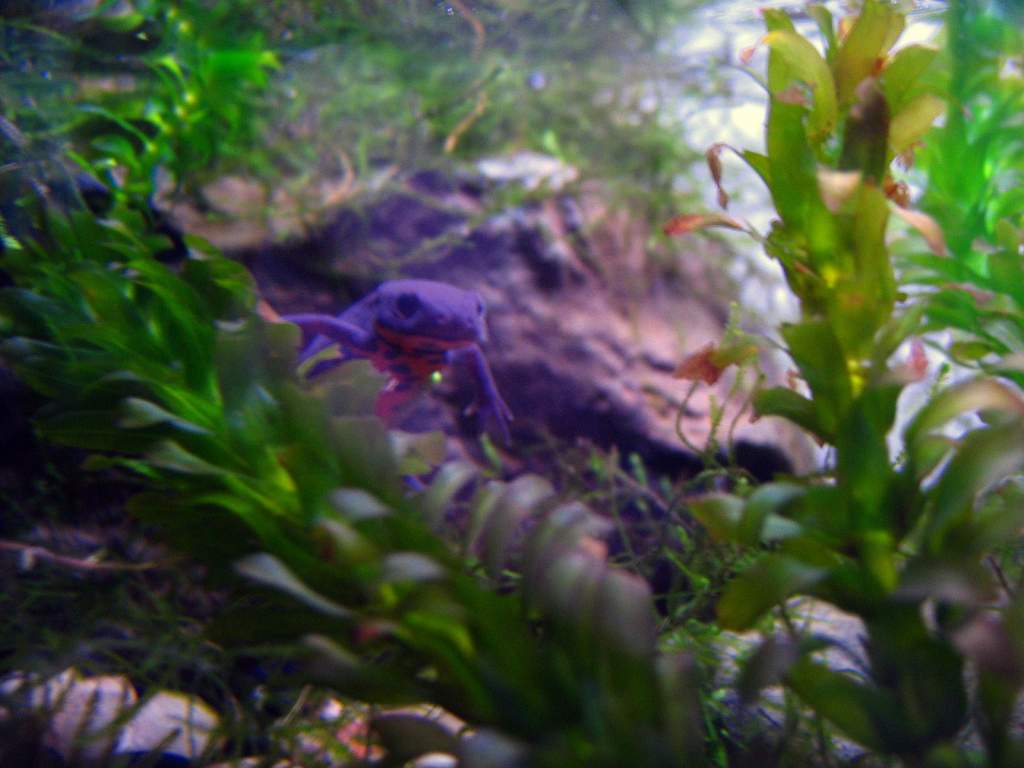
x=431 y=313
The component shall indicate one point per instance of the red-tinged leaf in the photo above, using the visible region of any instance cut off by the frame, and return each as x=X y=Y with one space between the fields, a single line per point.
x=685 y=223
x=897 y=191
x=700 y=366
x=905 y=159
x=714 y=158
x=927 y=226
x=746 y=54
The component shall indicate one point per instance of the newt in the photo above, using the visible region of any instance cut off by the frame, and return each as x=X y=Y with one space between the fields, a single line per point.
x=411 y=330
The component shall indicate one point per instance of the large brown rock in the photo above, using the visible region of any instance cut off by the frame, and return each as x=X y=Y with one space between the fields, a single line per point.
x=584 y=338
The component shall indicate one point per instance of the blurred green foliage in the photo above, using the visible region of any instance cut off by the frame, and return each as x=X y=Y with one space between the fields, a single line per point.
x=165 y=371
x=293 y=92
x=974 y=166
x=169 y=374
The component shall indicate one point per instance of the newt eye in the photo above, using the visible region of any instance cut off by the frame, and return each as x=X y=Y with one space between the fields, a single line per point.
x=407 y=304
x=479 y=305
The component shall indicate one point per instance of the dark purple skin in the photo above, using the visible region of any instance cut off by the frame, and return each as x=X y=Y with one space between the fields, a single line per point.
x=409 y=329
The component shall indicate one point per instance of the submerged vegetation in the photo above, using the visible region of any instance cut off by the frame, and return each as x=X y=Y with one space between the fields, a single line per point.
x=324 y=566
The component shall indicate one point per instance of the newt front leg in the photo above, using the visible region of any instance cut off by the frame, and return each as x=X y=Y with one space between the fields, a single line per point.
x=492 y=403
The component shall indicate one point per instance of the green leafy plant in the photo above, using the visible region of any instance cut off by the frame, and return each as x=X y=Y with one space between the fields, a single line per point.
x=974 y=165
x=896 y=543
x=171 y=375
x=155 y=87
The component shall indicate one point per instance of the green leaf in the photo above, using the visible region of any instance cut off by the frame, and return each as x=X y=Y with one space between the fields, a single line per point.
x=625 y=613
x=720 y=514
x=339 y=668
x=876 y=28
x=863 y=465
x=137 y=413
x=762 y=521
x=759 y=164
x=559 y=532
x=410 y=567
x=784 y=402
x=449 y=480
x=823 y=18
x=169 y=455
x=343 y=544
x=775 y=19
x=357 y=505
x=913 y=121
x=567 y=589
x=792 y=166
x=985 y=457
x=767 y=583
x=520 y=498
x=968 y=397
x=804 y=63
x=897 y=330
x=820 y=358
x=1006 y=271
x=852 y=706
x=269 y=571
x=901 y=76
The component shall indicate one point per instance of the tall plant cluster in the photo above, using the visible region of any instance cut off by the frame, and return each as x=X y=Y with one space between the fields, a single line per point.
x=895 y=541
x=164 y=369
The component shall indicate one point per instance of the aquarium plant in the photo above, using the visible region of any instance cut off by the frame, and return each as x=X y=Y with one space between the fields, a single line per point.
x=896 y=538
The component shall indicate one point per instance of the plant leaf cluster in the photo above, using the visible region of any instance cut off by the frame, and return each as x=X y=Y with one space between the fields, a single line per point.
x=974 y=165
x=171 y=374
x=899 y=544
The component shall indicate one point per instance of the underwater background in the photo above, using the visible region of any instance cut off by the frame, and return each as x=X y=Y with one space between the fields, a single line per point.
x=583 y=382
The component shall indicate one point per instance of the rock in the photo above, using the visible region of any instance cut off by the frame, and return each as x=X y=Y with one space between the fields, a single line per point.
x=79 y=711
x=531 y=169
x=80 y=716
x=173 y=722
x=763 y=720
x=583 y=341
